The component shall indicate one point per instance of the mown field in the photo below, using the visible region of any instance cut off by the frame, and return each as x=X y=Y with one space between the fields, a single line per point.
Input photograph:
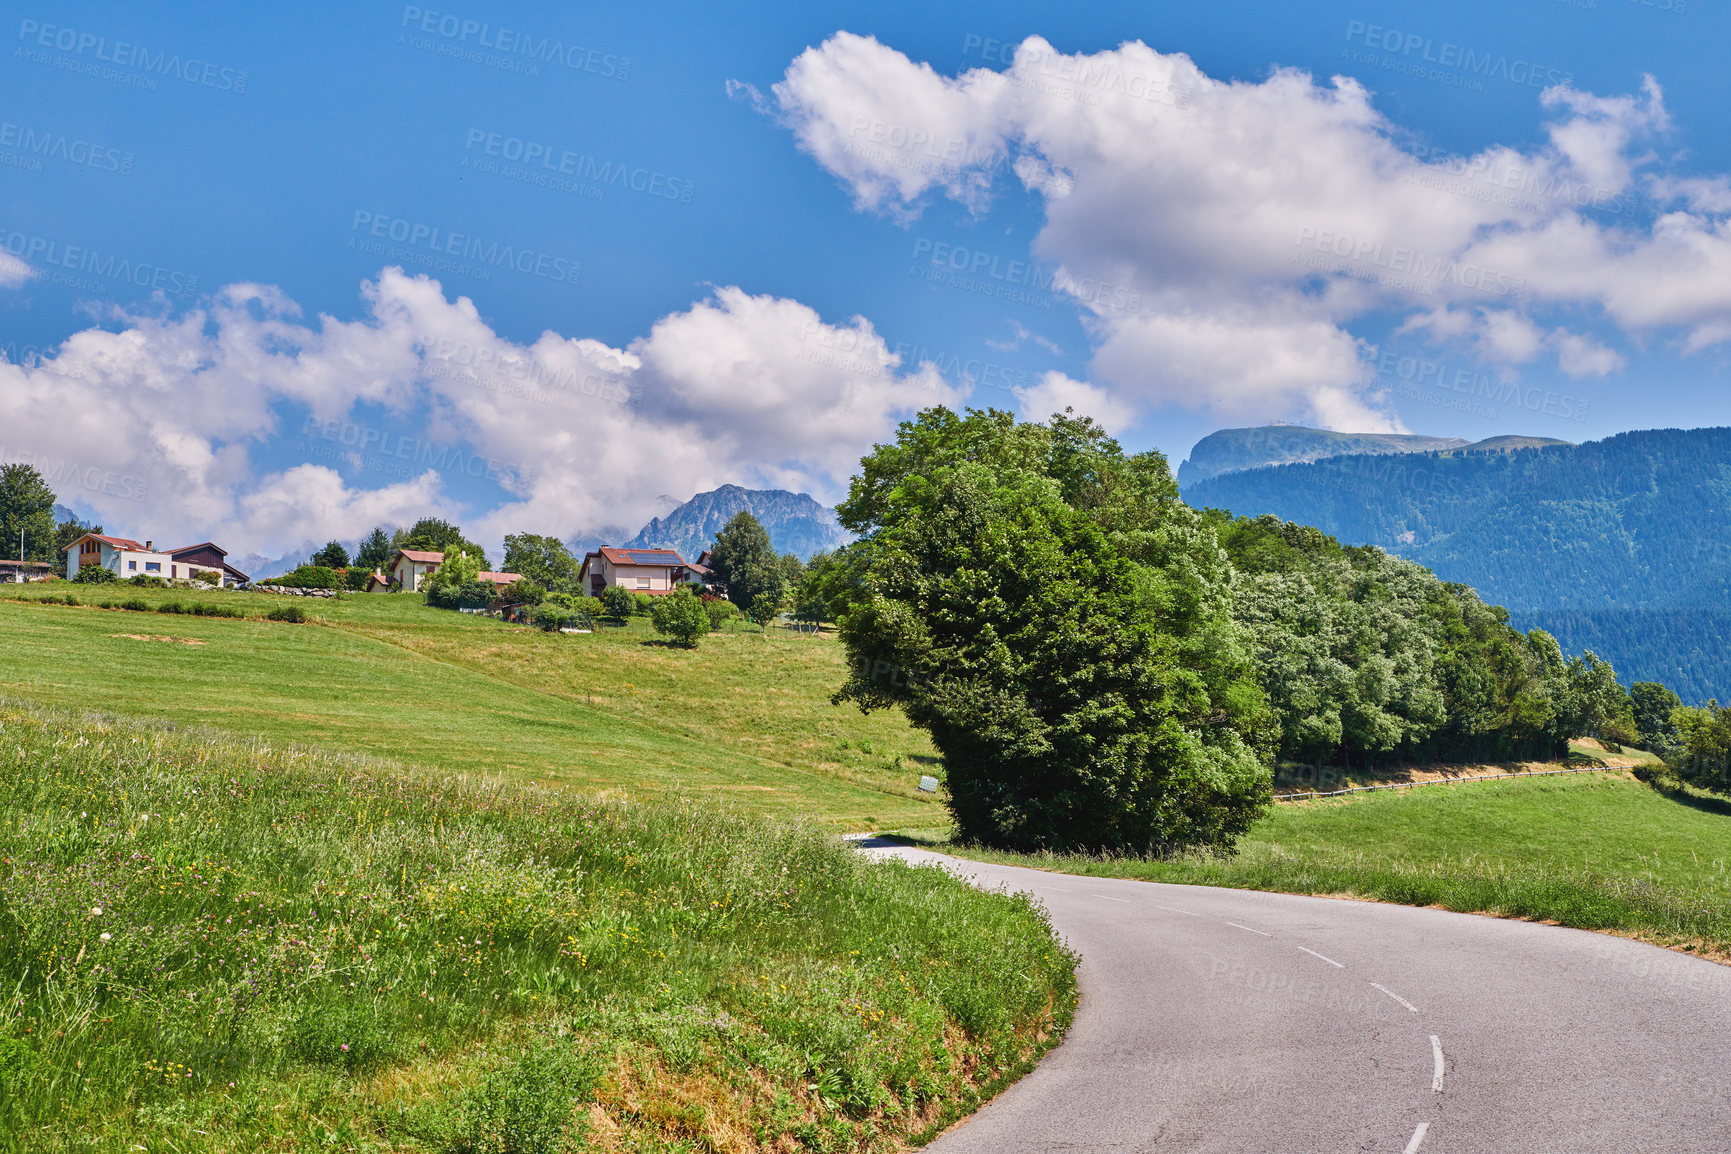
x=1599 y=851
x=743 y=717
x=225 y=944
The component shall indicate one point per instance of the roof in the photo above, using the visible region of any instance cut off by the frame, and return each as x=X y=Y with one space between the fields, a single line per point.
x=422 y=555
x=666 y=558
x=118 y=542
x=498 y=578
x=211 y=545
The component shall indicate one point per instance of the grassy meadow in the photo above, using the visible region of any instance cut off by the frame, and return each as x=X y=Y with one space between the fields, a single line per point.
x=227 y=944
x=744 y=717
x=1599 y=851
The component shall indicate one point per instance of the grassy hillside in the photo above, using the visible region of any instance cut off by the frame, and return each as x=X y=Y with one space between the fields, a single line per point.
x=744 y=717
x=228 y=945
x=1598 y=851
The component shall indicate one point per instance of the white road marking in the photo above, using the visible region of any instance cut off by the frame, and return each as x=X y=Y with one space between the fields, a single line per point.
x=1399 y=999
x=1436 y=1051
x=1330 y=961
x=1417 y=1138
x=1235 y=925
x=1126 y=901
x=1059 y=889
x=1174 y=910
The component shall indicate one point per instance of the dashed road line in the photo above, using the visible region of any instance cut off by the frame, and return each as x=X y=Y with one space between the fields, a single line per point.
x=1397 y=998
x=1235 y=925
x=1436 y=1051
x=1330 y=961
x=1175 y=910
x=1126 y=901
x=1417 y=1138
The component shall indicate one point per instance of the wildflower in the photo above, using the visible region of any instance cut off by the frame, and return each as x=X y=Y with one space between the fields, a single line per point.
x=105 y=937
x=96 y=911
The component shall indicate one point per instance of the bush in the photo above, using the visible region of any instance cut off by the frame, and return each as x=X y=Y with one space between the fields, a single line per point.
x=554 y=617
x=641 y=604
x=95 y=575
x=355 y=580
x=136 y=605
x=172 y=607
x=523 y=592
x=719 y=610
x=147 y=581
x=476 y=594
x=310 y=577
x=616 y=601
x=680 y=615
x=292 y=613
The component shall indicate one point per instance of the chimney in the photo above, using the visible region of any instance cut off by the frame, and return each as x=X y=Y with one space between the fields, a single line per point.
x=149 y=546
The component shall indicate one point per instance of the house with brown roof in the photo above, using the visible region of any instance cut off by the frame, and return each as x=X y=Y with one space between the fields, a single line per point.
x=128 y=558
x=410 y=567
x=652 y=571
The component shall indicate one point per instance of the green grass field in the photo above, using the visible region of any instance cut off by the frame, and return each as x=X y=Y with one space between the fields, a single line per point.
x=1598 y=851
x=222 y=945
x=616 y=712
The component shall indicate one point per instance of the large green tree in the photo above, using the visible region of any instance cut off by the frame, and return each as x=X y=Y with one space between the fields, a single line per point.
x=544 y=560
x=27 y=507
x=71 y=530
x=1060 y=622
x=375 y=552
x=332 y=556
x=746 y=563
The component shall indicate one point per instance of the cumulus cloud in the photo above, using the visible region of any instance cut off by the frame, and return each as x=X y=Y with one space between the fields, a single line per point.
x=1252 y=223
x=157 y=422
x=1054 y=393
x=13 y=271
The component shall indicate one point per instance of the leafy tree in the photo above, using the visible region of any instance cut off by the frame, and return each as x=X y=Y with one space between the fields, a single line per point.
x=1597 y=705
x=459 y=567
x=544 y=560
x=332 y=556
x=745 y=561
x=1703 y=748
x=617 y=602
x=1653 y=704
x=375 y=552
x=719 y=609
x=1060 y=622
x=309 y=577
x=763 y=610
x=27 y=507
x=435 y=535
x=680 y=615
x=524 y=592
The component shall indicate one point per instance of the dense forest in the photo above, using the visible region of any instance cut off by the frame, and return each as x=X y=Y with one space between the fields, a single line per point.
x=1568 y=536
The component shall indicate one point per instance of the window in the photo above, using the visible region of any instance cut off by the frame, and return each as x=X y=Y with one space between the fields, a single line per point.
x=153 y=566
x=132 y=564
x=643 y=582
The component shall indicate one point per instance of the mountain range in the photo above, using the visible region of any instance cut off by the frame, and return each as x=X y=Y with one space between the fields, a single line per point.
x=1622 y=546
x=796 y=523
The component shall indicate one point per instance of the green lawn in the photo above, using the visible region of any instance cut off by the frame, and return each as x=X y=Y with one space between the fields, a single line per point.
x=615 y=712
x=1599 y=851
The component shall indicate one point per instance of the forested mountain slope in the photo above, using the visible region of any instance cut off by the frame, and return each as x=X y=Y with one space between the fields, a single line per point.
x=1588 y=540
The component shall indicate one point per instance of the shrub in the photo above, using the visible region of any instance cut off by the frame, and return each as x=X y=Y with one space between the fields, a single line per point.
x=554 y=617
x=616 y=601
x=641 y=604
x=204 y=609
x=719 y=610
x=476 y=594
x=293 y=613
x=355 y=579
x=172 y=607
x=523 y=592
x=95 y=575
x=136 y=604
x=680 y=615
x=147 y=581
x=764 y=609
x=310 y=577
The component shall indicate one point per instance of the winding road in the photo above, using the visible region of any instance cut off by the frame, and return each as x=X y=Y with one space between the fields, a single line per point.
x=1232 y=1020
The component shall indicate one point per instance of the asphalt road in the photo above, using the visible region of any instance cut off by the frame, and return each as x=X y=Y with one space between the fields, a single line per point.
x=1230 y=1020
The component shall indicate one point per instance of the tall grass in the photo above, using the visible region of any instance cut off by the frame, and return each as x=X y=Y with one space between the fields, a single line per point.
x=217 y=944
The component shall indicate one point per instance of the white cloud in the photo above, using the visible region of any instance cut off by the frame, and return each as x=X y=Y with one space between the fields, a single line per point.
x=1054 y=393
x=156 y=422
x=1253 y=222
x=13 y=271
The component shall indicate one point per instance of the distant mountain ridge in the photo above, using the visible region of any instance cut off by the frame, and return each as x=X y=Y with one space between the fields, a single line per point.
x=1622 y=546
x=1236 y=450
x=796 y=522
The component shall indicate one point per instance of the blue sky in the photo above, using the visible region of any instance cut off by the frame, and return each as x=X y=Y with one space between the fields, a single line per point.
x=148 y=159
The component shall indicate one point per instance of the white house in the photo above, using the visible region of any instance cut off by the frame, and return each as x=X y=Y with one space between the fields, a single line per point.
x=127 y=558
x=639 y=570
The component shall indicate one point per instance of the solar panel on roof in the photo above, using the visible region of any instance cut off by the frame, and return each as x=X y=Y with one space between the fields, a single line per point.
x=658 y=557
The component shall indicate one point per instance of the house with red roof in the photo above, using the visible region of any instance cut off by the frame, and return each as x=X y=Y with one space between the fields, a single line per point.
x=125 y=558
x=652 y=571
